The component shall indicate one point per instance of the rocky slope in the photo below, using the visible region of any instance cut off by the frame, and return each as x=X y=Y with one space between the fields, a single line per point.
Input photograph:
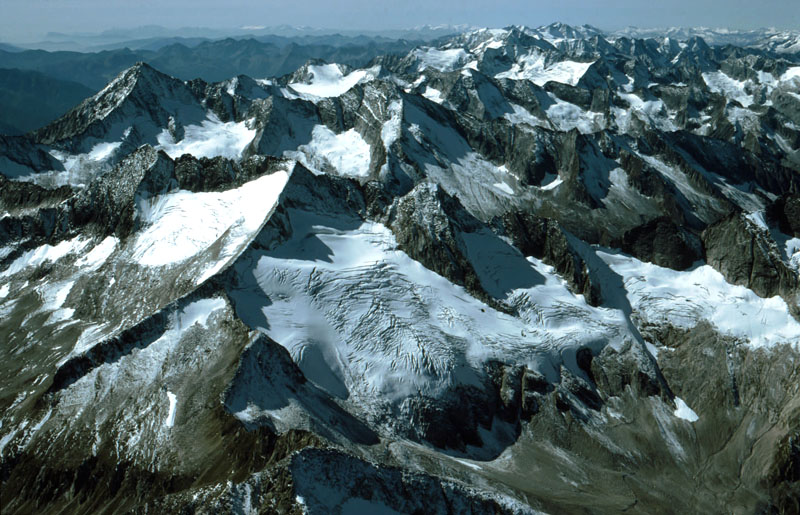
x=520 y=271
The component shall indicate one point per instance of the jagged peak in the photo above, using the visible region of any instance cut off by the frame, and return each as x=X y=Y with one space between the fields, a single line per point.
x=151 y=86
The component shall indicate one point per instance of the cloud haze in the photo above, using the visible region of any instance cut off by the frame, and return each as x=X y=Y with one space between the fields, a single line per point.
x=31 y=19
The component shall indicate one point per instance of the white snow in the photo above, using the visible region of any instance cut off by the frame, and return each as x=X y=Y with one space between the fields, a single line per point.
x=533 y=67
x=683 y=299
x=211 y=138
x=505 y=188
x=792 y=249
x=7 y=438
x=302 y=503
x=347 y=152
x=521 y=115
x=473 y=466
x=99 y=254
x=757 y=217
x=731 y=88
x=182 y=224
x=198 y=312
x=4 y=291
x=442 y=60
x=45 y=253
x=567 y=116
x=363 y=319
x=329 y=81
x=685 y=412
x=704 y=205
x=390 y=131
x=552 y=184
x=652 y=111
x=433 y=94
x=103 y=151
x=53 y=297
x=792 y=73
x=36 y=427
x=173 y=402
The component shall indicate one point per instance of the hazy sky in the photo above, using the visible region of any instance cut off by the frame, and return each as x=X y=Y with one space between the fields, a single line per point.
x=28 y=20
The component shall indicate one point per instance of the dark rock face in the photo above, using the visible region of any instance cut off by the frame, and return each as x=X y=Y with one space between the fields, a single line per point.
x=784 y=477
x=21 y=196
x=614 y=370
x=520 y=391
x=732 y=393
x=743 y=254
x=139 y=90
x=317 y=471
x=786 y=211
x=22 y=156
x=663 y=243
x=109 y=204
x=546 y=240
x=428 y=224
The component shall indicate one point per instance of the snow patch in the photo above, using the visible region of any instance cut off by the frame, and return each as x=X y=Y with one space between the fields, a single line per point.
x=505 y=188
x=731 y=88
x=198 y=312
x=327 y=80
x=346 y=152
x=567 y=116
x=663 y=295
x=99 y=254
x=553 y=184
x=792 y=73
x=211 y=138
x=442 y=60
x=103 y=151
x=533 y=67
x=182 y=224
x=521 y=115
x=173 y=402
x=684 y=411
x=433 y=94
x=45 y=253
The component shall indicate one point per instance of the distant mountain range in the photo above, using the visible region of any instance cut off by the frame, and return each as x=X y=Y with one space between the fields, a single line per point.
x=209 y=60
x=191 y=53
x=775 y=40
x=134 y=38
x=37 y=86
x=29 y=99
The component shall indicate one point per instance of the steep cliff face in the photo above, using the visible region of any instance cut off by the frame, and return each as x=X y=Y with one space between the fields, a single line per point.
x=520 y=271
x=744 y=252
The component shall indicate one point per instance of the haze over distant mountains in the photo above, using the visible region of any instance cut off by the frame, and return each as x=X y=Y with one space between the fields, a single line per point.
x=153 y=36
x=92 y=60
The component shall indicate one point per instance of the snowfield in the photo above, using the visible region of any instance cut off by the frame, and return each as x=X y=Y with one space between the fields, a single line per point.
x=182 y=224
x=533 y=67
x=682 y=299
x=327 y=80
x=211 y=138
x=362 y=319
x=346 y=153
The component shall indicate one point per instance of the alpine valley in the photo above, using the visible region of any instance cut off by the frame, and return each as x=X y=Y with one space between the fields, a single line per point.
x=547 y=270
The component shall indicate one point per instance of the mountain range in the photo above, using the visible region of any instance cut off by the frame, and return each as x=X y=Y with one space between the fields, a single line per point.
x=508 y=271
